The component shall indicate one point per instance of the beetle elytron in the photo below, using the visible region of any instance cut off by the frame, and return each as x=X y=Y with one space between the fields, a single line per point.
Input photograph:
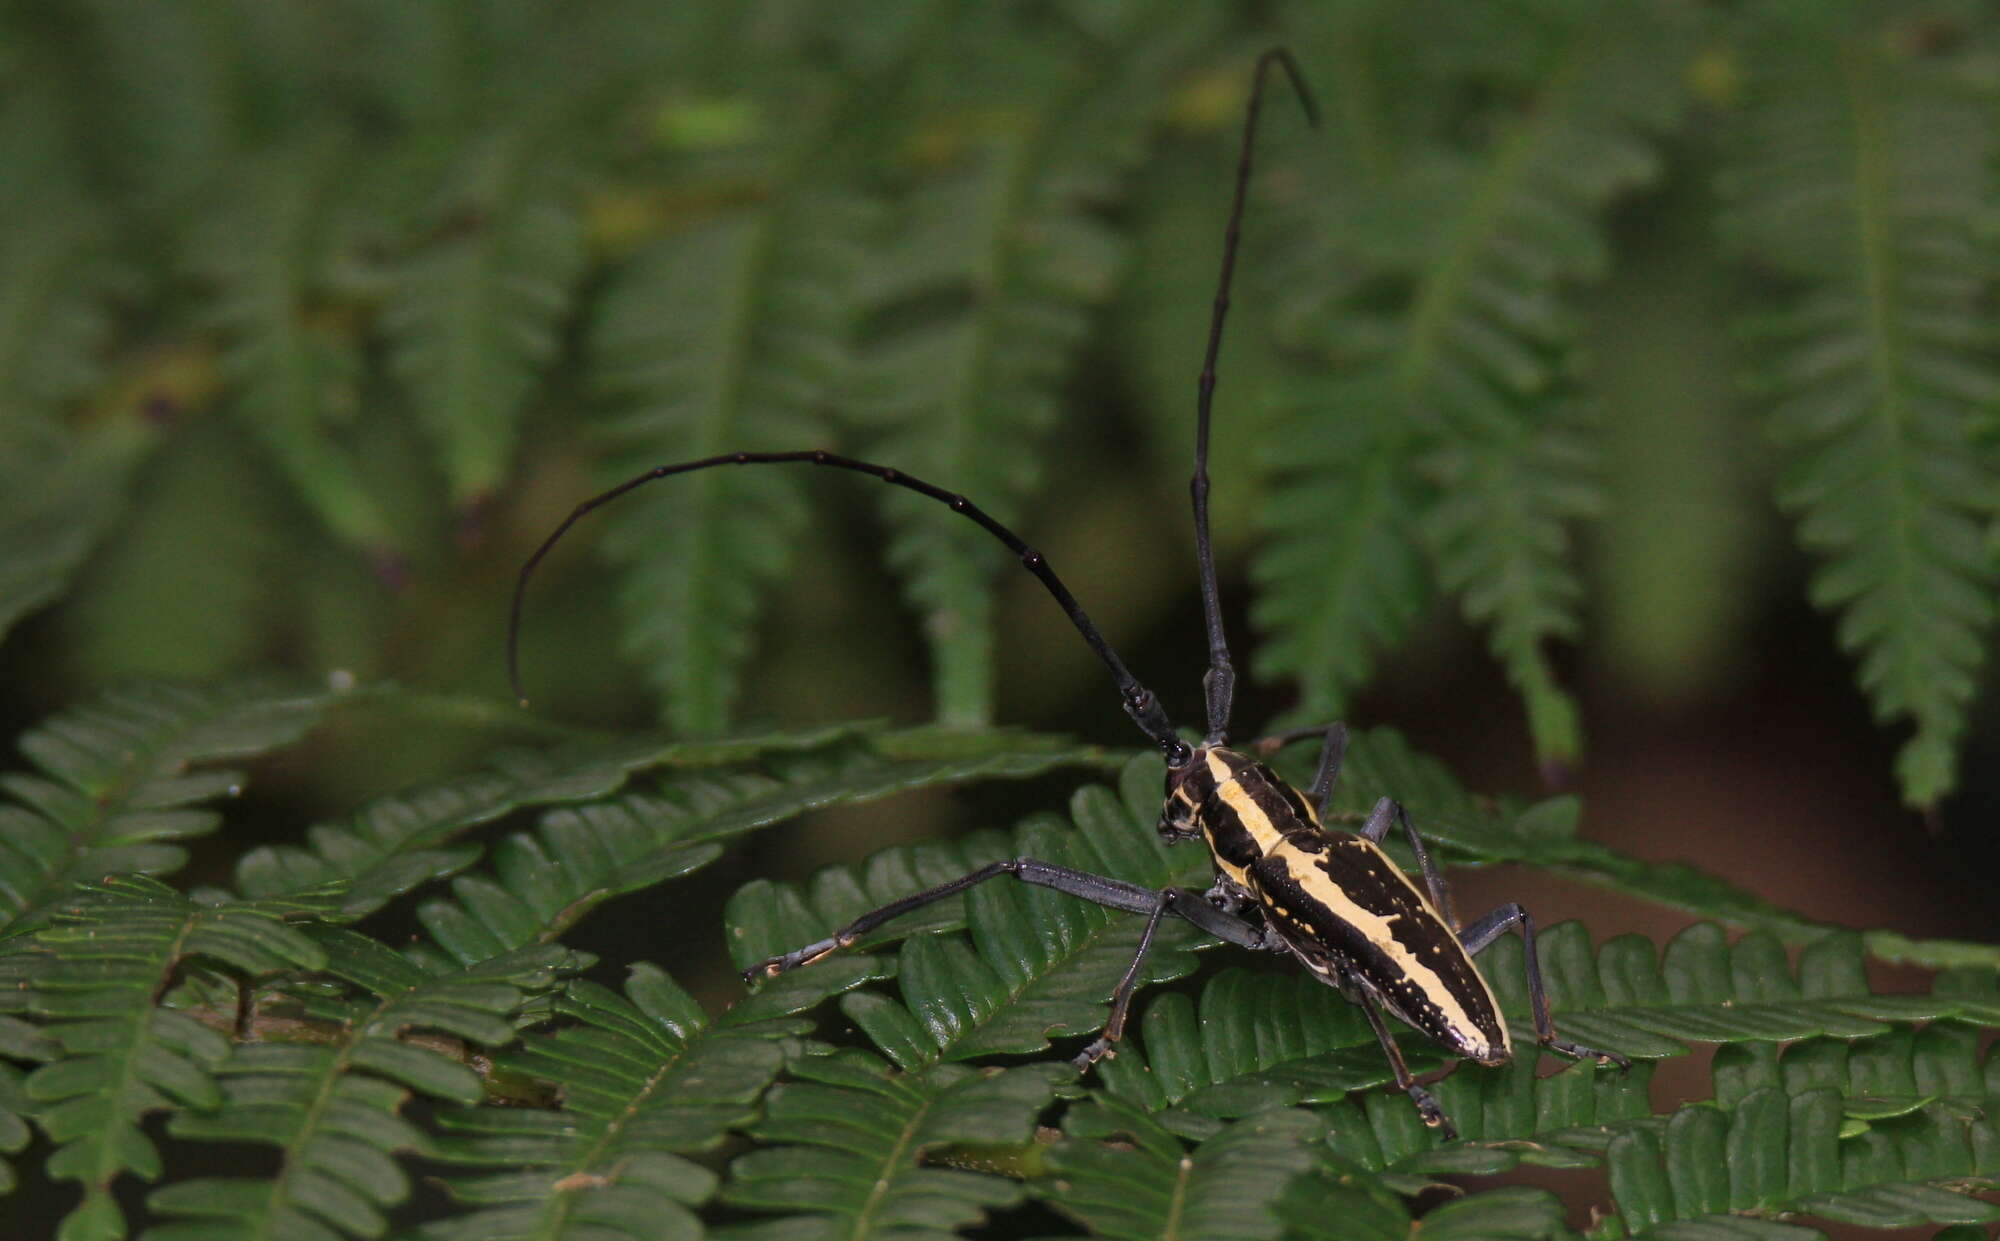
x=1283 y=881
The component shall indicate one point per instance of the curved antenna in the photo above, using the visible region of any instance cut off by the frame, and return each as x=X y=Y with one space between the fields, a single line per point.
x=1219 y=685
x=1140 y=703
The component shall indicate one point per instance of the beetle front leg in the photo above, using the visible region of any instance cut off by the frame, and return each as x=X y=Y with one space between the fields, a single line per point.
x=1098 y=889
x=1490 y=928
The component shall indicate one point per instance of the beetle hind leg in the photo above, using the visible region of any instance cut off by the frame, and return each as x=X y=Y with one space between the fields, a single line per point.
x=1492 y=927
x=1428 y=1108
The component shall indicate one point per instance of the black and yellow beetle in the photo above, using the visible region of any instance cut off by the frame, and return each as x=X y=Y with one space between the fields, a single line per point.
x=1283 y=881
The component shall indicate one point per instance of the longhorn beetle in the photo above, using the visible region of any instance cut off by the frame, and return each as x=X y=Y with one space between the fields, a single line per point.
x=1283 y=881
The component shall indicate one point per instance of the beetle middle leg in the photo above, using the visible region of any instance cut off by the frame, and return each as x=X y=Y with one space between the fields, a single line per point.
x=1494 y=925
x=1194 y=907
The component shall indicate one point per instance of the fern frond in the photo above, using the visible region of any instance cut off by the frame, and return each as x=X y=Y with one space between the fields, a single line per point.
x=331 y=1105
x=1038 y=964
x=1014 y=243
x=1335 y=1206
x=118 y=779
x=1253 y=1041
x=473 y=318
x=1342 y=577
x=543 y=882
x=1888 y=1132
x=726 y=336
x=699 y=793
x=397 y=842
x=92 y=978
x=846 y=1141
x=1149 y=1185
x=1466 y=380
x=1120 y=1173
x=1861 y=183
x=293 y=377
x=643 y=1076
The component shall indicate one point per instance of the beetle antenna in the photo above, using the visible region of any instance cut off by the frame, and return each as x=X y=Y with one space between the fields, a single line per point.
x=1139 y=701
x=1219 y=686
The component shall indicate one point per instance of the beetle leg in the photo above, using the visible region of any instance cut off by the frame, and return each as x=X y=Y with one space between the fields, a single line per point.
x=1427 y=1104
x=1184 y=903
x=1225 y=895
x=1332 y=752
x=1121 y=995
x=1490 y=928
x=1111 y=893
x=1389 y=810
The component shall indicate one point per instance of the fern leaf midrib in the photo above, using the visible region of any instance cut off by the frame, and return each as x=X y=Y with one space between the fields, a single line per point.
x=892 y=1164
x=726 y=411
x=1345 y=593
x=79 y=845
x=329 y=1084
x=1874 y=214
x=1443 y=287
x=964 y=686
x=964 y=683
x=142 y=1029
x=560 y=1205
x=283 y=280
x=1177 y=1204
x=465 y=359
x=280 y=292
x=722 y=418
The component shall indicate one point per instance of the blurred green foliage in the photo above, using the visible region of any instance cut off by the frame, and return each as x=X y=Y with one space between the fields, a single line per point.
x=312 y=317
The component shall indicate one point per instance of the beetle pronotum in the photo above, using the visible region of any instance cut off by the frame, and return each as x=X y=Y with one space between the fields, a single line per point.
x=1283 y=881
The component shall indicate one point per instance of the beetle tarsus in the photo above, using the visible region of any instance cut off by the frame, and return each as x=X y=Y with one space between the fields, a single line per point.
x=771 y=967
x=1432 y=1113
x=1100 y=1048
x=1577 y=1051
